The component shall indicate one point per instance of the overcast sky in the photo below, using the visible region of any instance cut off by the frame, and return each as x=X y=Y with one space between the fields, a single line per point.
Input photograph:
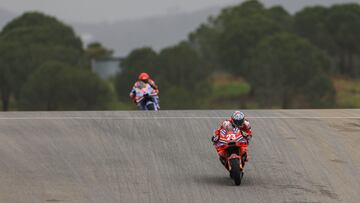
x=108 y=10
x=115 y=10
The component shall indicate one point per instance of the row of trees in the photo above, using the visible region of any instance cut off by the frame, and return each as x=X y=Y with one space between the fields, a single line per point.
x=335 y=30
x=287 y=59
x=181 y=73
x=228 y=39
x=265 y=47
x=43 y=66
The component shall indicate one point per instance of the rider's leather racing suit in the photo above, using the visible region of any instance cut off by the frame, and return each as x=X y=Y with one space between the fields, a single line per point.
x=246 y=129
x=151 y=82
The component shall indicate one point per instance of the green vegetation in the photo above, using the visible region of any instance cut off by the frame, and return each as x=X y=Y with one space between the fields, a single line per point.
x=56 y=86
x=229 y=92
x=42 y=66
x=232 y=89
x=348 y=92
x=291 y=70
x=227 y=86
x=248 y=56
x=287 y=60
x=336 y=30
x=180 y=71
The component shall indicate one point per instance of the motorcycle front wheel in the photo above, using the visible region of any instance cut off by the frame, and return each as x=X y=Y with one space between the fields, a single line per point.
x=150 y=106
x=236 y=172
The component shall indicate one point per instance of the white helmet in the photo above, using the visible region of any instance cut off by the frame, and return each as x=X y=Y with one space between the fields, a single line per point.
x=238 y=118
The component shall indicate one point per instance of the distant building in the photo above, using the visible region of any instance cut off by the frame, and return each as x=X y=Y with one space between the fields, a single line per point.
x=106 y=67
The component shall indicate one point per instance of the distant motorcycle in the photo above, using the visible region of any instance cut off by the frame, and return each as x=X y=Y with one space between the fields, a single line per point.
x=146 y=97
x=229 y=144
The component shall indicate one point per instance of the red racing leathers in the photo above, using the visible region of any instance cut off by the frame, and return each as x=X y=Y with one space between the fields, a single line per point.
x=245 y=128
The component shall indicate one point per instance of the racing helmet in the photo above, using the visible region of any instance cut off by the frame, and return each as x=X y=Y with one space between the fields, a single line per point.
x=144 y=77
x=238 y=118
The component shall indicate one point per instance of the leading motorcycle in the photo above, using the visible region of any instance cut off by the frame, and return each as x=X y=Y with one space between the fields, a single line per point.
x=229 y=148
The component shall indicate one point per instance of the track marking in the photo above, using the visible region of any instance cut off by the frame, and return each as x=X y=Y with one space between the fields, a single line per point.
x=164 y=117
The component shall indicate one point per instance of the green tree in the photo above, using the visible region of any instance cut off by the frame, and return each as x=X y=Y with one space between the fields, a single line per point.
x=34 y=38
x=204 y=40
x=96 y=50
x=38 y=28
x=336 y=30
x=282 y=17
x=288 y=71
x=237 y=42
x=180 y=72
x=8 y=79
x=343 y=24
x=310 y=23
x=227 y=40
x=183 y=77
x=139 y=60
x=57 y=86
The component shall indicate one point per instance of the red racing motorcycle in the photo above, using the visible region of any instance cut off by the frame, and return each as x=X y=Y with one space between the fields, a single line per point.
x=232 y=148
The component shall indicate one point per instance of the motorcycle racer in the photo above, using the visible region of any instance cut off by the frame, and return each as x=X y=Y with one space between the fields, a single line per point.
x=238 y=121
x=145 y=78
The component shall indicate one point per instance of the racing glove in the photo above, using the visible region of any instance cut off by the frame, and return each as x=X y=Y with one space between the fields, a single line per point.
x=214 y=139
x=248 y=138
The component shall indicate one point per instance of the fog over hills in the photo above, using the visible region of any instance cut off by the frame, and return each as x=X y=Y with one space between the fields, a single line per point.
x=159 y=31
x=124 y=36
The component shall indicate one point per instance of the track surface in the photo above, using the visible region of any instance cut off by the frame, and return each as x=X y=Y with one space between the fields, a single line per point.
x=296 y=156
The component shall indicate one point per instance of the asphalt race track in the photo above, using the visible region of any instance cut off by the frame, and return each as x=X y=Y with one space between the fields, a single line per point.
x=119 y=156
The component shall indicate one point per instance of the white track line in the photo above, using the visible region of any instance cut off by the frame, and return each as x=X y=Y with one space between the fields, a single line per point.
x=164 y=117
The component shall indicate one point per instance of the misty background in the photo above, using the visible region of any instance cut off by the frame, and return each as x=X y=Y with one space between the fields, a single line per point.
x=203 y=55
x=124 y=25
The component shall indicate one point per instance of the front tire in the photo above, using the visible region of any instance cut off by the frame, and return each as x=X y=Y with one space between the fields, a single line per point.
x=151 y=106
x=235 y=172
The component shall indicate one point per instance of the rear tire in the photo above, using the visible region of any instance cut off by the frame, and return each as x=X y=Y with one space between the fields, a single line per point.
x=235 y=172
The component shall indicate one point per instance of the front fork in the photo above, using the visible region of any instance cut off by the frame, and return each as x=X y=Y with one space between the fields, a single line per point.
x=235 y=156
x=225 y=158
